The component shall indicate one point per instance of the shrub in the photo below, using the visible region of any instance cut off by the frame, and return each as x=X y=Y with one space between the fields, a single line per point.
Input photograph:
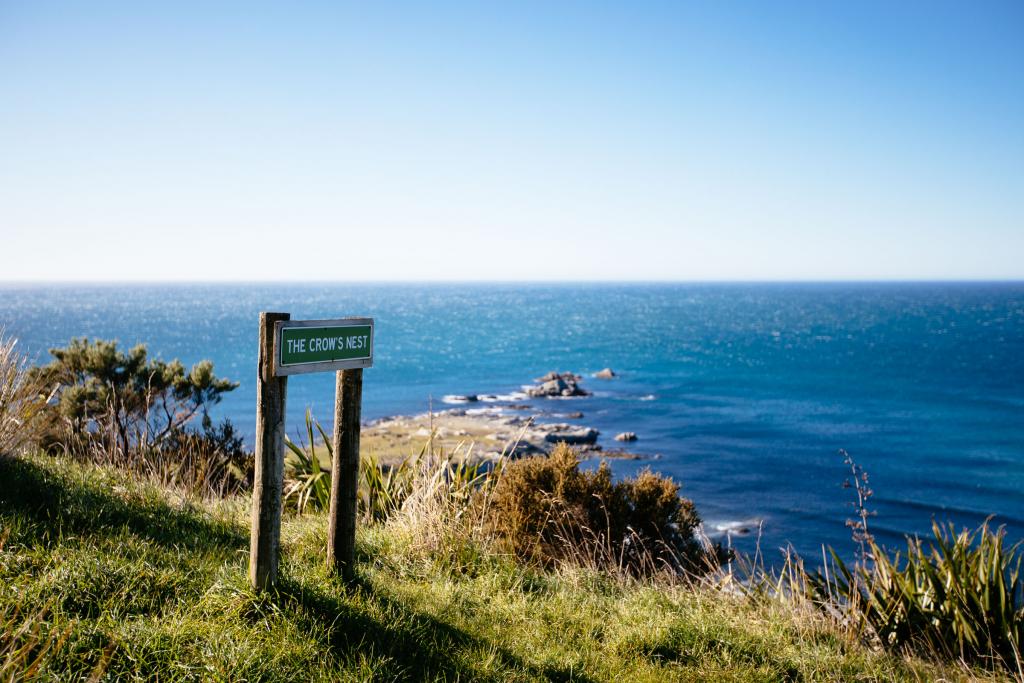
x=213 y=460
x=547 y=510
x=960 y=596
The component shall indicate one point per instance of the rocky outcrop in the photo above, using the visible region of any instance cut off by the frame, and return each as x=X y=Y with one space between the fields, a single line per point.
x=626 y=436
x=461 y=398
x=557 y=375
x=574 y=436
x=556 y=385
x=607 y=373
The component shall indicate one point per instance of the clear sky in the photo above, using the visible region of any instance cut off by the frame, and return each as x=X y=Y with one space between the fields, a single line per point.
x=505 y=141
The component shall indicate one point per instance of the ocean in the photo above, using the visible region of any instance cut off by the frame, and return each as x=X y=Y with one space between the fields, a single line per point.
x=743 y=393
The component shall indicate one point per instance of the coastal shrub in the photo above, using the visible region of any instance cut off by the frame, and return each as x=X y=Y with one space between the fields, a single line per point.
x=548 y=510
x=22 y=398
x=126 y=409
x=122 y=401
x=960 y=596
x=212 y=459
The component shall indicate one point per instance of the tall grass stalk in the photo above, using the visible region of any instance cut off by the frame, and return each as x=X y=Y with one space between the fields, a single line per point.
x=22 y=398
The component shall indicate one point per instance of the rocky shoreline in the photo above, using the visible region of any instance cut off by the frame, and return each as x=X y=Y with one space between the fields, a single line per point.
x=485 y=427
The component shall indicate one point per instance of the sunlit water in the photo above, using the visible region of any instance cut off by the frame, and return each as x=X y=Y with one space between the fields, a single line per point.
x=744 y=393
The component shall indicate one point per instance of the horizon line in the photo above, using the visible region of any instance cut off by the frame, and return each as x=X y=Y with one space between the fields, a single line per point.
x=723 y=281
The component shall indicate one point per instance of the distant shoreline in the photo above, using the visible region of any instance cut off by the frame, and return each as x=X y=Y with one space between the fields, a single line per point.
x=491 y=426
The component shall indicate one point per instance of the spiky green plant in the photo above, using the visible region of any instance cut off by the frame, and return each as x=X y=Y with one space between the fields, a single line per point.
x=383 y=488
x=310 y=484
x=961 y=595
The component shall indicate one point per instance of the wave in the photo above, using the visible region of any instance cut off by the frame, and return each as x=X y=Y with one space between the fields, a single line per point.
x=455 y=399
x=733 y=527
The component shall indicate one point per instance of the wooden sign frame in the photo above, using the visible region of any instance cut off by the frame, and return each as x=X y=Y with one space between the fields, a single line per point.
x=268 y=479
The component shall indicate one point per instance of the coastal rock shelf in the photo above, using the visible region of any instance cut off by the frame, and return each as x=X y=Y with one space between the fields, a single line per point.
x=482 y=434
x=482 y=428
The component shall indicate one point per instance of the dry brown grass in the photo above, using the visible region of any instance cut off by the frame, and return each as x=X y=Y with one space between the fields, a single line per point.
x=22 y=399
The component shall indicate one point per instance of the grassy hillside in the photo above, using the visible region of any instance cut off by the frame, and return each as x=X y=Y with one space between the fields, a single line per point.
x=103 y=575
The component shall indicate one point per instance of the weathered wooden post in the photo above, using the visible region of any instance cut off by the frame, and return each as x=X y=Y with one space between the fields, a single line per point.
x=341 y=525
x=271 y=390
x=291 y=347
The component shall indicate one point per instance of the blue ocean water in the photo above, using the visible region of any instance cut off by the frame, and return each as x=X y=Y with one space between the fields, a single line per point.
x=742 y=392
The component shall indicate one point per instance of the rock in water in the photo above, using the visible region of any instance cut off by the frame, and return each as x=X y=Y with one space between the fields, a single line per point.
x=461 y=398
x=574 y=436
x=555 y=384
x=626 y=436
x=557 y=375
x=607 y=373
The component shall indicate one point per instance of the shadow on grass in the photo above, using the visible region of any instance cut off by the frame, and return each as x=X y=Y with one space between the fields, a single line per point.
x=411 y=645
x=57 y=504
x=691 y=648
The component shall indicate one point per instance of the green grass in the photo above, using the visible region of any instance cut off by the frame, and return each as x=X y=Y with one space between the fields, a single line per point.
x=104 y=575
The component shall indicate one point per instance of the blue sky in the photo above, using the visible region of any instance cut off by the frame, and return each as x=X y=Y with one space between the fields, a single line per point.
x=550 y=141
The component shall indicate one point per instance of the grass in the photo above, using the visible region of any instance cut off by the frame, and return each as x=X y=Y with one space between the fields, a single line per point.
x=22 y=397
x=107 y=577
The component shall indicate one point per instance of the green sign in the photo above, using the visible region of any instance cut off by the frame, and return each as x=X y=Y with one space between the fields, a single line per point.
x=323 y=345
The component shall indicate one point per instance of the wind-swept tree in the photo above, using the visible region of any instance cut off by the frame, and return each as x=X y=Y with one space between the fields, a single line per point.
x=125 y=398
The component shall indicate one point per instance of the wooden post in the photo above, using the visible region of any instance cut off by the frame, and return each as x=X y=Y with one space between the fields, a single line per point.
x=341 y=524
x=265 y=534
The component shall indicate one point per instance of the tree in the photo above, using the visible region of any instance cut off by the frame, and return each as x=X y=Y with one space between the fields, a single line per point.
x=124 y=398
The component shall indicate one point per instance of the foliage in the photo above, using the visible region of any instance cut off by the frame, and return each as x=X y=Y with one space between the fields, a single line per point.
x=442 y=515
x=382 y=490
x=214 y=460
x=123 y=400
x=961 y=596
x=432 y=482
x=547 y=509
x=130 y=583
x=958 y=597
x=22 y=399
x=310 y=484
x=27 y=647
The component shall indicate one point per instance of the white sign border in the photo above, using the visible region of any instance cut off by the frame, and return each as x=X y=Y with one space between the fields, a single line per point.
x=323 y=365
